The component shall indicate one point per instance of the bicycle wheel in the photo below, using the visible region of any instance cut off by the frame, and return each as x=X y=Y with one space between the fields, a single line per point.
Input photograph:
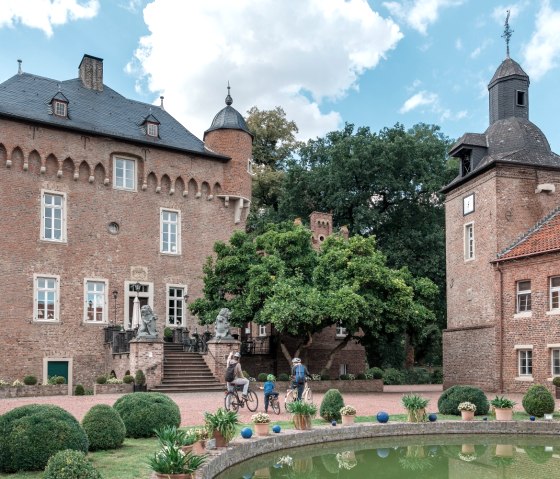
x=230 y=402
x=307 y=395
x=291 y=396
x=252 y=401
x=275 y=405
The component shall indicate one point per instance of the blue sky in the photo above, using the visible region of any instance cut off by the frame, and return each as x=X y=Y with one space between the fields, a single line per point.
x=372 y=63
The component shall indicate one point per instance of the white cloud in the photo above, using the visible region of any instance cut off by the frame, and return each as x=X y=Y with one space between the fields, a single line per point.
x=499 y=12
x=478 y=50
x=45 y=14
x=419 y=99
x=459 y=44
x=418 y=14
x=541 y=53
x=270 y=56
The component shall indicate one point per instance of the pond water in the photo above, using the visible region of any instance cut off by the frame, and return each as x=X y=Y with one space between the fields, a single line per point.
x=418 y=457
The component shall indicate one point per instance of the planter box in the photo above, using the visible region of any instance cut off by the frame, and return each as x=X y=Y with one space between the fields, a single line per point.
x=34 y=391
x=112 y=388
x=355 y=386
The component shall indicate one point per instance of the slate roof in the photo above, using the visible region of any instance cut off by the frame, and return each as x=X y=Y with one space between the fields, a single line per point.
x=230 y=119
x=507 y=68
x=542 y=238
x=27 y=97
x=470 y=139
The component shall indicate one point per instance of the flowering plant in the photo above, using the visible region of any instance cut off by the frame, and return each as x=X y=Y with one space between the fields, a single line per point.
x=351 y=377
x=114 y=381
x=348 y=411
x=4 y=383
x=200 y=433
x=260 y=418
x=466 y=406
x=17 y=382
x=316 y=377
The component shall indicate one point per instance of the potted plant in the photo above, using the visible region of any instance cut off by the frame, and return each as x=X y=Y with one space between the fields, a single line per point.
x=170 y=434
x=415 y=406
x=302 y=412
x=348 y=414
x=168 y=335
x=221 y=425
x=200 y=434
x=503 y=408
x=172 y=463
x=556 y=382
x=467 y=410
x=261 y=421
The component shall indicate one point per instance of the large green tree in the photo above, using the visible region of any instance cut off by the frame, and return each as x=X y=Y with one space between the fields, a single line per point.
x=278 y=278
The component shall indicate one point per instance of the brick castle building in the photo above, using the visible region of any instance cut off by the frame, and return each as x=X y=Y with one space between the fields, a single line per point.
x=503 y=248
x=105 y=199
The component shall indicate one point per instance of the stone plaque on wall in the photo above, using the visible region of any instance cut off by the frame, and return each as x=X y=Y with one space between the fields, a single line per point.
x=139 y=273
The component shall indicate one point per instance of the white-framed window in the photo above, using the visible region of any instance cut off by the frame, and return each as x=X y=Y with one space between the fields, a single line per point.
x=53 y=216
x=152 y=129
x=555 y=359
x=341 y=331
x=262 y=330
x=555 y=293
x=525 y=362
x=95 y=301
x=46 y=298
x=250 y=164
x=342 y=369
x=176 y=305
x=469 y=241
x=170 y=238
x=523 y=296
x=60 y=109
x=124 y=173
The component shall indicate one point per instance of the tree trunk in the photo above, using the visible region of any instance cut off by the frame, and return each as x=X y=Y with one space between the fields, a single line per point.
x=300 y=346
x=335 y=350
x=408 y=351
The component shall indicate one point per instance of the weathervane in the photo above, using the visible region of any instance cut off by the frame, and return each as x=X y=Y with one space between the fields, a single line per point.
x=507 y=33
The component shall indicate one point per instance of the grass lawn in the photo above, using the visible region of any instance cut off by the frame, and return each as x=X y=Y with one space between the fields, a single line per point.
x=130 y=461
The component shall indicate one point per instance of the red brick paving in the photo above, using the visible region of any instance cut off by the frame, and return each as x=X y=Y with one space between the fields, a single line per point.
x=193 y=405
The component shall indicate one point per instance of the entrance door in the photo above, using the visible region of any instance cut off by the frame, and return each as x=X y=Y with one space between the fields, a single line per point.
x=143 y=301
x=58 y=368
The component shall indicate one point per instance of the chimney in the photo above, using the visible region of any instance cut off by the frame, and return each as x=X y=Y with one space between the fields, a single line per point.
x=91 y=72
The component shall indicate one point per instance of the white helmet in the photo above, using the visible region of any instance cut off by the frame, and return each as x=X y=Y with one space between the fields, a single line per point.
x=296 y=360
x=237 y=355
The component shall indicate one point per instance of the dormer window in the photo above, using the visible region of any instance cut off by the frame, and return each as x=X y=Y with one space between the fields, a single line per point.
x=60 y=109
x=152 y=129
x=466 y=165
x=520 y=98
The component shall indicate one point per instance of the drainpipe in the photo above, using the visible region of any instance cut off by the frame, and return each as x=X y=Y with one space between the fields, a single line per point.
x=501 y=331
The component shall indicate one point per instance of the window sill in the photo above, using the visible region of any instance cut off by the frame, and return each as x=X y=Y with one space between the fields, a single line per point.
x=468 y=260
x=554 y=312
x=49 y=241
x=165 y=253
x=524 y=314
x=528 y=379
x=95 y=323
x=46 y=321
x=120 y=188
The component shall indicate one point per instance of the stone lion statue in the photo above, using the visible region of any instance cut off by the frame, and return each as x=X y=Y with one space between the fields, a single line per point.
x=222 y=324
x=147 y=328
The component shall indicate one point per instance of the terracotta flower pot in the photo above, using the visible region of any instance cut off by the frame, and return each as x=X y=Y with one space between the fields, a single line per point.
x=504 y=450
x=302 y=422
x=187 y=449
x=261 y=429
x=467 y=415
x=504 y=414
x=467 y=448
x=199 y=447
x=416 y=415
x=348 y=419
x=220 y=440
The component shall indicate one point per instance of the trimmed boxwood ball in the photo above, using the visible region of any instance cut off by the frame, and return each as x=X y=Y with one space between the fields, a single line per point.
x=142 y=413
x=538 y=401
x=455 y=395
x=331 y=404
x=104 y=428
x=382 y=417
x=79 y=390
x=30 y=380
x=30 y=435
x=69 y=464
x=246 y=433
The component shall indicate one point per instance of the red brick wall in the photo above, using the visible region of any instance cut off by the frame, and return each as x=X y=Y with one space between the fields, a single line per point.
x=91 y=252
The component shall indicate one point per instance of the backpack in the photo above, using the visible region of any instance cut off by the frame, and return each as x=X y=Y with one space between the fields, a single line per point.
x=230 y=372
x=300 y=373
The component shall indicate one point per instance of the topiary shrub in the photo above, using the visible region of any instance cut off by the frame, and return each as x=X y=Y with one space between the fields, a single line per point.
x=142 y=413
x=360 y=376
x=69 y=464
x=437 y=376
x=538 y=401
x=331 y=404
x=104 y=427
x=283 y=377
x=101 y=379
x=392 y=376
x=262 y=377
x=29 y=435
x=417 y=376
x=452 y=397
x=374 y=373
x=30 y=380
x=128 y=379
x=344 y=377
x=79 y=390
x=140 y=378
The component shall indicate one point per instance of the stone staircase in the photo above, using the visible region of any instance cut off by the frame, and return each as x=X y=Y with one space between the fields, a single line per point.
x=185 y=372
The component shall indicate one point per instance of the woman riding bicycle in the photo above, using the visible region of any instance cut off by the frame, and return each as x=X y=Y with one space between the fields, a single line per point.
x=299 y=376
x=238 y=378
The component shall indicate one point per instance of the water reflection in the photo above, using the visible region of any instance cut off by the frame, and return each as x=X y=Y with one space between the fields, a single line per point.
x=455 y=457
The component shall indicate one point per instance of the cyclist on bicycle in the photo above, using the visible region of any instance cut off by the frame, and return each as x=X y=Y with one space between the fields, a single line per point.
x=269 y=391
x=233 y=363
x=299 y=375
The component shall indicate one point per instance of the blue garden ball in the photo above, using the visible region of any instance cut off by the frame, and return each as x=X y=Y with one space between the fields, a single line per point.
x=382 y=417
x=532 y=418
x=333 y=423
x=383 y=453
x=246 y=433
x=432 y=417
x=276 y=428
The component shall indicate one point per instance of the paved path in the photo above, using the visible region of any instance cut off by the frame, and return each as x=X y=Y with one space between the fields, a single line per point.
x=193 y=405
